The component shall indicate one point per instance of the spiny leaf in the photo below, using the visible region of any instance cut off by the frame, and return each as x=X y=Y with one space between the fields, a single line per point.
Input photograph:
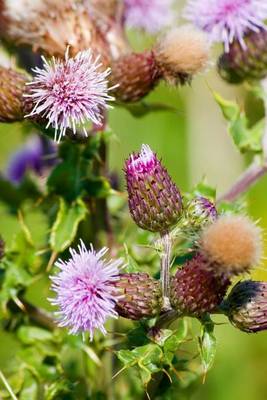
x=245 y=138
x=207 y=345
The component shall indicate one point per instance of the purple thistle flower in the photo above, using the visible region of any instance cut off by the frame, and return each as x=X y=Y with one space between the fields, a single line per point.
x=226 y=20
x=154 y=200
x=149 y=15
x=85 y=294
x=70 y=93
x=37 y=155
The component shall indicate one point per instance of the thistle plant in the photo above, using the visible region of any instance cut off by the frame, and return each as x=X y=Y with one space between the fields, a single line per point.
x=113 y=271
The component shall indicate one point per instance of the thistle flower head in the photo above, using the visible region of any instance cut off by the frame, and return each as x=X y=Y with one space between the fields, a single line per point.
x=246 y=306
x=232 y=244
x=182 y=53
x=69 y=93
x=85 y=295
x=226 y=20
x=149 y=15
x=200 y=211
x=154 y=200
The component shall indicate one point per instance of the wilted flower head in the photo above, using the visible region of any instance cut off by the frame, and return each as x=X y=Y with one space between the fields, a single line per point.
x=85 y=294
x=154 y=200
x=226 y=20
x=70 y=93
x=150 y=15
x=36 y=155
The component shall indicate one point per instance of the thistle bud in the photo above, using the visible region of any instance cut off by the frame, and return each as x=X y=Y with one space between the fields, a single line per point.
x=155 y=202
x=195 y=290
x=176 y=58
x=232 y=245
x=245 y=62
x=246 y=306
x=12 y=84
x=139 y=296
x=200 y=211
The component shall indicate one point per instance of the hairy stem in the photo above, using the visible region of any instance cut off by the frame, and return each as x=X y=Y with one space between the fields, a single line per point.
x=165 y=270
x=249 y=177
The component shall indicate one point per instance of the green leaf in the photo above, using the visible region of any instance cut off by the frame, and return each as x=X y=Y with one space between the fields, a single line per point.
x=229 y=109
x=205 y=190
x=207 y=345
x=148 y=359
x=139 y=110
x=97 y=187
x=31 y=334
x=66 y=178
x=58 y=389
x=65 y=227
x=173 y=343
x=30 y=389
x=15 y=280
x=245 y=138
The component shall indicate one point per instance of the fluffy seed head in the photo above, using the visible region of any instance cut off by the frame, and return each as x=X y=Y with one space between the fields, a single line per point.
x=149 y=15
x=85 y=293
x=182 y=53
x=226 y=20
x=154 y=200
x=246 y=306
x=69 y=93
x=232 y=244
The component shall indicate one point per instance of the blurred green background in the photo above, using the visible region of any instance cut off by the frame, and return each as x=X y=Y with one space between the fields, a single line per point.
x=193 y=143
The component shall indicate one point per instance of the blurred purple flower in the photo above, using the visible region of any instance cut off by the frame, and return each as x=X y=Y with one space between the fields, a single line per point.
x=37 y=155
x=226 y=20
x=85 y=294
x=150 y=15
x=70 y=93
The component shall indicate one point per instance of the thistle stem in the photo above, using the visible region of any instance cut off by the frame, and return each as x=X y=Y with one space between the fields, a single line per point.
x=249 y=177
x=165 y=270
x=256 y=169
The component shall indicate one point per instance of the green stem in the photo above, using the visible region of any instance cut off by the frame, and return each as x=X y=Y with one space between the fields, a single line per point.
x=165 y=270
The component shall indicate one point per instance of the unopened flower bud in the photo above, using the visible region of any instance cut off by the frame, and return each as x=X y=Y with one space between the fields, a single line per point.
x=139 y=296
x=232 y=245
x=246 y=306
x=200 y=211
x=176 y=58
x=196 y=290
x=247 y=62
x=12 y=85
x=154 y=200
